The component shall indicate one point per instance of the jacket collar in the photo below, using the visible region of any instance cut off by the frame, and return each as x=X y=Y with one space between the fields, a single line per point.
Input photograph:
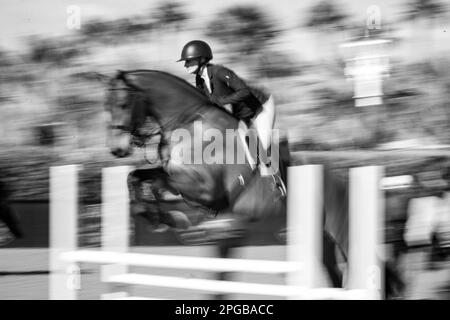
x=208 y=68
x=209 y=72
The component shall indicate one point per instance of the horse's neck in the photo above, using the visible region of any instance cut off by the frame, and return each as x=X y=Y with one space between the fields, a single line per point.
x=207 y=114
x=175 y=118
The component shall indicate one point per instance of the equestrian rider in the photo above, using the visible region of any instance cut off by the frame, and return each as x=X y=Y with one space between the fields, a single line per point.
x=224 y=88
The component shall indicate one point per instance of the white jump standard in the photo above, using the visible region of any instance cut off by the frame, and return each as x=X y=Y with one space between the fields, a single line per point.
x=305 y=199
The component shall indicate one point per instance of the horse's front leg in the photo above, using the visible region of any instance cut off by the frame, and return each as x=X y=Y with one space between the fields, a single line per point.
x=138 y=205
x=135 y=193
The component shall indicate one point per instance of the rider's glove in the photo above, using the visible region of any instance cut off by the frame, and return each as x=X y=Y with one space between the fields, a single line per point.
x=220 y=101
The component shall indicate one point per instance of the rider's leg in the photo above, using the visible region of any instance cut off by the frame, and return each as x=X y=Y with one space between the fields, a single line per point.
x=263 y=123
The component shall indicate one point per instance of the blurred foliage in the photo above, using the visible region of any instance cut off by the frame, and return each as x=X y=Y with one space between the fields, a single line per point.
x=169 y=14
x=277 y=64
x=326 y=13
x=5 y=59
x=243 y=29
x=115 y=30
x=164 y=16
x=55 y=51
x=419 y=9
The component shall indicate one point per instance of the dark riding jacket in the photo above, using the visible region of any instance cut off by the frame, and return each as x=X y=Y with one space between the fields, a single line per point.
x=228 y=88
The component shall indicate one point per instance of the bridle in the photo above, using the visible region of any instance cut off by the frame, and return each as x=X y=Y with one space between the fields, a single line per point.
x=138 y=138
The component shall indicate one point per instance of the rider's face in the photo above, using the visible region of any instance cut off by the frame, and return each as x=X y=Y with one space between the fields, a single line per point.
x=191 y=65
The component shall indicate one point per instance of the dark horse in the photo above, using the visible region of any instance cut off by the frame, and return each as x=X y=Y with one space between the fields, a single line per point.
x=210 y=179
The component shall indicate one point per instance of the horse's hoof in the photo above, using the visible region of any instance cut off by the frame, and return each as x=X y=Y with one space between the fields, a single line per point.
x=192 y=236
x=222 y=229
x=161 y=228
x=179 y=220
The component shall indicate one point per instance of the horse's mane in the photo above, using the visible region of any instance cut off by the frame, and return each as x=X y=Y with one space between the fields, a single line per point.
x=183 y=84
x=186 y=86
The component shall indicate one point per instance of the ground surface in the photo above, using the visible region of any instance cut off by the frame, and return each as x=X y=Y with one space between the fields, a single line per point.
x=24 y=274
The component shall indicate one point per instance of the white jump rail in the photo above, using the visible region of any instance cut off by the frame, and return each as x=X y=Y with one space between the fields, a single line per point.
x=304 y=241
x=181 y=262
x=236 y=287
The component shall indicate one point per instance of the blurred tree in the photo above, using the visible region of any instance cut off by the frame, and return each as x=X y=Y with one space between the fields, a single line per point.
x=130 y=26
x=277 y=64
x=96 y=28
x=118 y=30
x=55 y=51
x=326 y=17
x=423 y=15
x=418 y=9
x=45 y=134
x=244 y=29
x=326 y=14
x=5 y=60
x=170 y=14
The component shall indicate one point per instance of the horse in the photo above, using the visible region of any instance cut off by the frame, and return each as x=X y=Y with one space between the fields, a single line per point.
x=233 y=190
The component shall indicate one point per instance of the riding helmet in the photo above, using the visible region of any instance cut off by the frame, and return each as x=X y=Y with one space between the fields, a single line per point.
x=196 y=49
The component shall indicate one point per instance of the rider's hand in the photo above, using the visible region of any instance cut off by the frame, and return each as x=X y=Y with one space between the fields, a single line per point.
x=220 y=101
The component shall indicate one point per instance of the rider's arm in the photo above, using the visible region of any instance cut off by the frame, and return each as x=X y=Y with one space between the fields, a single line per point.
x=241 y=90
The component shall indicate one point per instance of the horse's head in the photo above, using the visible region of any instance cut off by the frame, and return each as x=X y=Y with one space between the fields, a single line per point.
x=125 y=111
x=133 y=96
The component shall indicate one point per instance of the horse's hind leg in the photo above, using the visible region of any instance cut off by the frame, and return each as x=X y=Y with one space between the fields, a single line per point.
x=284 y=159
x=224 y=251
x=138 y=206
x=330 y=261
x=225 y=248
x=135 y=193
x=8 y=216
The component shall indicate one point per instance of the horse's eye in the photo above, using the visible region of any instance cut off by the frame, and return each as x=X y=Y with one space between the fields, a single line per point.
x=124 y=106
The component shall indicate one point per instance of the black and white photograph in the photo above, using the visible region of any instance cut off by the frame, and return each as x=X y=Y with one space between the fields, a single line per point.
x=232 y=152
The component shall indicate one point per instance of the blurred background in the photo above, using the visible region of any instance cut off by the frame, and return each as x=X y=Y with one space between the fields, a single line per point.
x=355 y=83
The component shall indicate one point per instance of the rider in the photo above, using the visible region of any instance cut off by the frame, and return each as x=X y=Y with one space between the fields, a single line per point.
x=224 y=88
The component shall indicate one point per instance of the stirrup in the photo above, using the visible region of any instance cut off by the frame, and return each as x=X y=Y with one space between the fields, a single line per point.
x=279 y=184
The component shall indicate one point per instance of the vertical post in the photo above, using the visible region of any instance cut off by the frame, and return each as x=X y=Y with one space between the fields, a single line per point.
x=305 y=212
x=115 y=222
x=64 y=277
x=366 y=230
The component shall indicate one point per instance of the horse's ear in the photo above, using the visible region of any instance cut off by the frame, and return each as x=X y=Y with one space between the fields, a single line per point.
x=128 y=79
x=120 y=75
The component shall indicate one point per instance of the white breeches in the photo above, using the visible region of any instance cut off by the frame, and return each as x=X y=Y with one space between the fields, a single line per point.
x=264 y=122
